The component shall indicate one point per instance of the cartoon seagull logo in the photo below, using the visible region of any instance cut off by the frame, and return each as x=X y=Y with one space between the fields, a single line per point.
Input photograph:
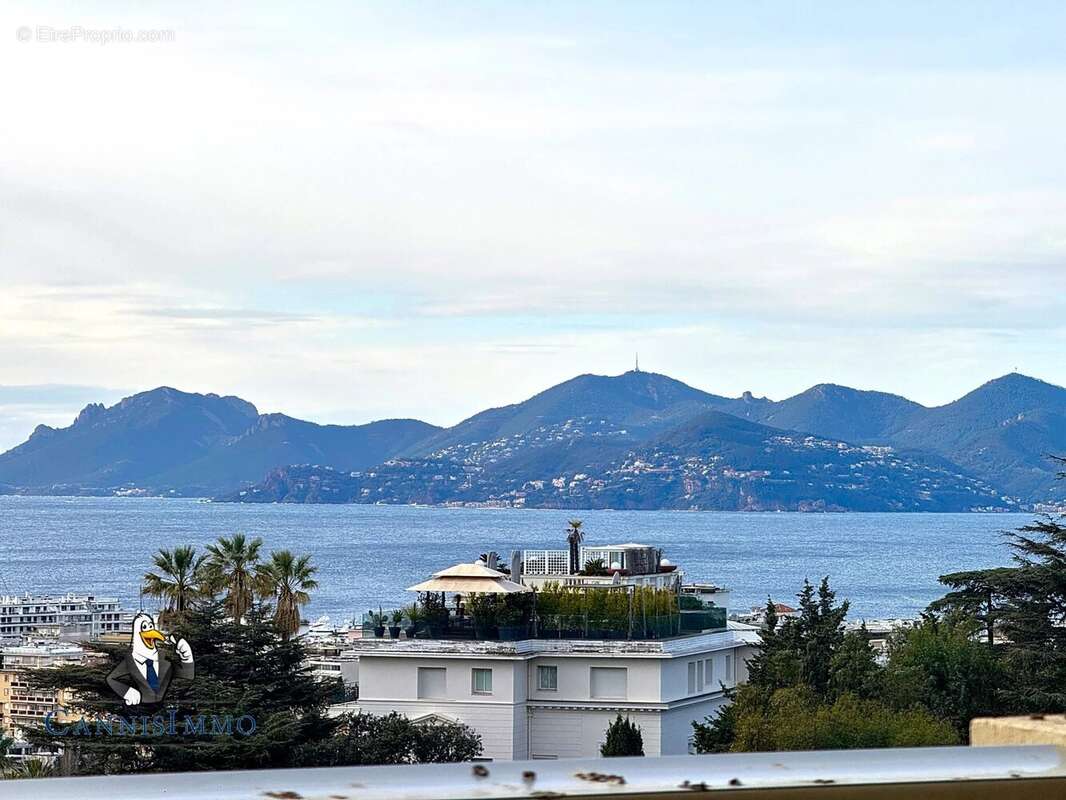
x=145 y=674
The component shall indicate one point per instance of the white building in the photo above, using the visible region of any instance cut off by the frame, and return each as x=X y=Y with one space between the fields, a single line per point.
x=552 y=693
x=636 y=564
x=550 y=698
x=67 y=617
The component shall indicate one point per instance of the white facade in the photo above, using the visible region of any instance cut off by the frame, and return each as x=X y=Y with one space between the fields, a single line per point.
x=71 y=617
x=542 y=698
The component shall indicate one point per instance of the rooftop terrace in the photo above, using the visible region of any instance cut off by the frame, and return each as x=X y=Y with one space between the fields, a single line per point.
x=673 y=646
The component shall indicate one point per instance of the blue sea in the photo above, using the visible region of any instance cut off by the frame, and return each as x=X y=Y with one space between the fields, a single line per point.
x=886 y=564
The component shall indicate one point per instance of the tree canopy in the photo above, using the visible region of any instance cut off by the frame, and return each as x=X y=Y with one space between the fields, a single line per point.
x=254 y=702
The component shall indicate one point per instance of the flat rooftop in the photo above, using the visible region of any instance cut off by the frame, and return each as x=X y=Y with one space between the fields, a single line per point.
x=673 y=646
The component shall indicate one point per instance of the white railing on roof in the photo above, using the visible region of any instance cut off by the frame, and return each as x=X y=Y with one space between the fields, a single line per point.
x=545 y=562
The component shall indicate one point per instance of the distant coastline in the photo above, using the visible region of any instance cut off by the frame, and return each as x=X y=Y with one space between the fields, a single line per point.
x=636 y=441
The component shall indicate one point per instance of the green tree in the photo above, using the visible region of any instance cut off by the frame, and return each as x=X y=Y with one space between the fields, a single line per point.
x=800 y=650
x=289 y=579
x=1021 y=609
x=978 y=594
x=178 y=579
x=821 y=630
x=797 y=718
x=623 y=739
x=941 y=665
x=718 y=733
x=362 y=739
x=445 y=742
x=232 y=569
x=853 y=668
x=241 y=669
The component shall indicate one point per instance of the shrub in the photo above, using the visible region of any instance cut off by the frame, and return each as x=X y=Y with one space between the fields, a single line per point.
x=623 y=739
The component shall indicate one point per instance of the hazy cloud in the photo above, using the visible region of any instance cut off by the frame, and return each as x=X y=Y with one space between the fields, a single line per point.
x=402 y=213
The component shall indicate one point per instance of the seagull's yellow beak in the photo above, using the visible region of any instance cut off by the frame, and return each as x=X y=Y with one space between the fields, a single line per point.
x=150 y=637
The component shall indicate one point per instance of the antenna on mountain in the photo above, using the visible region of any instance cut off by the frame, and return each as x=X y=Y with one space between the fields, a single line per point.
x=636 y=363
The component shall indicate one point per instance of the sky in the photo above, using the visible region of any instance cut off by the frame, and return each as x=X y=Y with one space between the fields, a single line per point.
x=350 y=211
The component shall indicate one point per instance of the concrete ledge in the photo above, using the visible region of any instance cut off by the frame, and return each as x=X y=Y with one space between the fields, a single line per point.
x=1032 y=729
x=928 y=773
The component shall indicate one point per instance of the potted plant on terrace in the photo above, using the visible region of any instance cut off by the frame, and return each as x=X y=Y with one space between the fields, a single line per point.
x=377 y=622
x=397 y=620
x=435 y=614
x=485 y=609
x=414 y=616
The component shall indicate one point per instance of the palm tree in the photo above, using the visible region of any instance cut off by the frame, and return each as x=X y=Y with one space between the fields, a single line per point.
x=289 y=579
x=574 y=537
x=31 y=768
x=232 y=568
x=179 y=579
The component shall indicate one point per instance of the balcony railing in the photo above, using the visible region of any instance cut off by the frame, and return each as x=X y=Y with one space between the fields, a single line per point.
x=995 y=773
x=563 y=626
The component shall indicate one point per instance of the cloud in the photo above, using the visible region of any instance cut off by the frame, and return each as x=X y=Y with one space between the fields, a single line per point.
x=385 y=214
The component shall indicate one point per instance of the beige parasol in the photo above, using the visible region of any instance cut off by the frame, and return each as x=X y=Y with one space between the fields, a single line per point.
x=469 y=579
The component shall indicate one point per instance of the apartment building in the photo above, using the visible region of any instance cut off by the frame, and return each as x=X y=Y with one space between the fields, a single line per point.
x=20 y=703
x=69 y=617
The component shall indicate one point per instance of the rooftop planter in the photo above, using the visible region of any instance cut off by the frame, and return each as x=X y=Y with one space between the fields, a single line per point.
x=608 y=612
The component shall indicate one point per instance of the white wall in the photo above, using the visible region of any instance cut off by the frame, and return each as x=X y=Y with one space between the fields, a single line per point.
x=677 y=724
x=519 y=720
x=642 y=678
x=397 y=678
x=391 y=684
x=576 y=733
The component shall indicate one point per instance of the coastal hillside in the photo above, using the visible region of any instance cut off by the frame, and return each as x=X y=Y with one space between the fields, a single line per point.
x=992 y=446
x=1002 y=431
x=627 y=407
x=712 y=461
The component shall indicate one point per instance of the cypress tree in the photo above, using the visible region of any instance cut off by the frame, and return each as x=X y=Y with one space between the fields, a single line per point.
x=623 y=739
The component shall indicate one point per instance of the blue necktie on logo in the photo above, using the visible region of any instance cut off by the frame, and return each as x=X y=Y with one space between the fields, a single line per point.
x=151 y=676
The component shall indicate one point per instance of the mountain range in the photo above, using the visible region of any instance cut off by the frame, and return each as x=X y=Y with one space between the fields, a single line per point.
x=636 y=440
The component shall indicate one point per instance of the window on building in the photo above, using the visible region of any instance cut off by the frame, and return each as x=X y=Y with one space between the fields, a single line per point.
x=708 y=672
x=432 y=683
x=608 y=683
x=691 y=677
x=548 y=678
x=699 y=676
x=729 y=669
x=481 y=681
